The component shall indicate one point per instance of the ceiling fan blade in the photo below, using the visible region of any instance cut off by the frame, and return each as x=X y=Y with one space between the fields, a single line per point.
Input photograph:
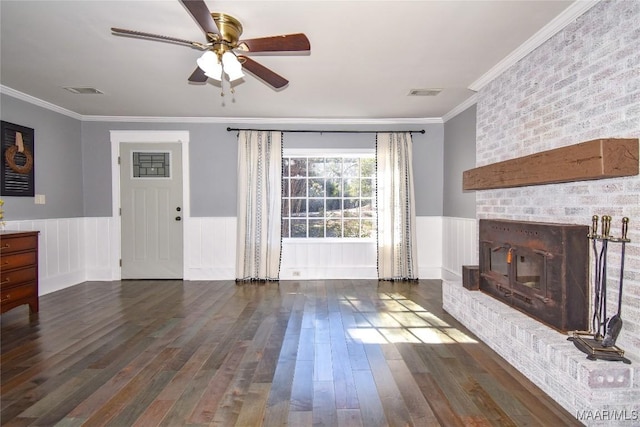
x=200 y=12
x=285 y=43
x=263 y=72
x=198 y=76
x=124 y=32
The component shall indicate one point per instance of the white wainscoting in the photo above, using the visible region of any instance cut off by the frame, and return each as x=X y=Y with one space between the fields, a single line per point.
x=102 y=248
x=328 y=259
x=55 y=267
x=459 y=245
x=429 y=237
x=210 y=254
x=210 y=248
x=73 y=250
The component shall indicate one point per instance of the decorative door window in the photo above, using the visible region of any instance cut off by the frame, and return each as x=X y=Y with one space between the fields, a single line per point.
x=151 y=164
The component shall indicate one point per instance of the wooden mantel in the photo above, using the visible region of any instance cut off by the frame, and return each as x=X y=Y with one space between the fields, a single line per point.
x=597 y=159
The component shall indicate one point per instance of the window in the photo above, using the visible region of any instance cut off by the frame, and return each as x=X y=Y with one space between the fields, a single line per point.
x=328 y=195
x=151 y=165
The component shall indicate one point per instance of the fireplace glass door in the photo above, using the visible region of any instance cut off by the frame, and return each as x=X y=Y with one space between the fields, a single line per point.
x=529 y=268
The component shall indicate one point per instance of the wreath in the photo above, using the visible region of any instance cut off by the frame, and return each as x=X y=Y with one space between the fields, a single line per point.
x=10 y=157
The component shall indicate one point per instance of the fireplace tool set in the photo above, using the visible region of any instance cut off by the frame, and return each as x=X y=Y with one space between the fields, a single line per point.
x=600 y=342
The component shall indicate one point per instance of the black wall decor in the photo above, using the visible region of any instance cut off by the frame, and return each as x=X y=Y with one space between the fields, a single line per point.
x=17 y=163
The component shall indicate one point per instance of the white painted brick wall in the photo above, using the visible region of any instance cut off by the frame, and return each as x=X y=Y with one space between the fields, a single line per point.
x=582 y=84
x=546 y=357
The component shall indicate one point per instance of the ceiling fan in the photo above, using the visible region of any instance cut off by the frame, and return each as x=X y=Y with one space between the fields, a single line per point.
x=224 y=51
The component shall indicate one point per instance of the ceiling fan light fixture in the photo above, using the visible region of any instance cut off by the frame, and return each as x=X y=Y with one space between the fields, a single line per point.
x=232 y=66
x=209 y=63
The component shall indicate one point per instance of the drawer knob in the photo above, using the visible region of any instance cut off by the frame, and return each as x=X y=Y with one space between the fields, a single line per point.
x=7 y=280
x=7 y=297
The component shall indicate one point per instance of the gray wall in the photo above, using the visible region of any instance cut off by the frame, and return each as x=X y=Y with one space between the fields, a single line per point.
x=427 y=156
x=58 y=163
x=459 y=155
x=73 y=161
x=212 y=156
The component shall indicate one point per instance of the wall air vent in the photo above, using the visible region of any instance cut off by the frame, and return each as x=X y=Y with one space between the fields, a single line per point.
x=84 y=90
x=424 y=92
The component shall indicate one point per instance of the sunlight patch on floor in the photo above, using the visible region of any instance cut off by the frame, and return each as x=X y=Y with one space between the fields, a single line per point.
x=401 y=321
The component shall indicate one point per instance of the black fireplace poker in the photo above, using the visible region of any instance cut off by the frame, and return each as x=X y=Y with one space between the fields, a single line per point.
x=600 y=344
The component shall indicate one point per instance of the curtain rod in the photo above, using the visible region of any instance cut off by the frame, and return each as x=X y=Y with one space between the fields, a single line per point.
x=330 y=131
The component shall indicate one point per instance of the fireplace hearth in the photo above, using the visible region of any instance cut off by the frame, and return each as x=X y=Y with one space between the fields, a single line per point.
x=538 y=268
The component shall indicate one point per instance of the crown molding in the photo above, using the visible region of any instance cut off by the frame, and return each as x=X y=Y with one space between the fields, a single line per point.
x=39 y=102
x=263 y=120
x=568 y=16
x=220 y=120
x=460 y=107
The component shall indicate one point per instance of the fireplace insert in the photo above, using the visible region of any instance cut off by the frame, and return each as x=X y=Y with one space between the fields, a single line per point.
x=538 y=268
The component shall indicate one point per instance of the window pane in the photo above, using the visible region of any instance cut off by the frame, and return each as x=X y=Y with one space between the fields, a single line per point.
x=298 y=167
x=351 y=187
x=299 y=207
x=285 y=228
x=316 y=167
x=298 y=228
x=366 y=188
x=366 y=208
x=316 y=187
x=333 y=167
x=351 y=167
x=351 y=228
x=316 y=207
x=285 y=187
x=316 y=228
x=151 y=165
x=334 y=228
x=299 y=187
x=351 y=207
x=285 y=166
x=334 y=187
x=368 y=167
x=285 y=207
x=368 y=227
x=334 y=207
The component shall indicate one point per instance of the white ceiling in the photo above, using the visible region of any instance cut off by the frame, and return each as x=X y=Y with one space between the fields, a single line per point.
x=365 y=55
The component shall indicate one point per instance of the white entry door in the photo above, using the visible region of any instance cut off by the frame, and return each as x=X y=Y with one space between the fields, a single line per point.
x=151 y=210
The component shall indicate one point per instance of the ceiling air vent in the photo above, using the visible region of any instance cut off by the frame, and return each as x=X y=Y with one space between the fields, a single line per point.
x=424 y=92
x=84 y=90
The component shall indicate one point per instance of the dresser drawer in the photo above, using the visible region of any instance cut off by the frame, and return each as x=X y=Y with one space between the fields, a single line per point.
x=16 y=244
x=17 y=293
x=15 y=277
x=18 y=260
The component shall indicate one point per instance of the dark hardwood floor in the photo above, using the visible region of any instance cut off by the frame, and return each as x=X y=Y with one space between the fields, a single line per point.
x=325 y=353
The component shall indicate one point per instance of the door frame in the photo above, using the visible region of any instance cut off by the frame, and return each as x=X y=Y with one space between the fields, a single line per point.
x=148 y=136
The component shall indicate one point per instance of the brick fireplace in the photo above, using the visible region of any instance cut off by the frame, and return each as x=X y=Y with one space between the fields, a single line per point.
x=547 y=358
x=537 y=268
x=581 y=84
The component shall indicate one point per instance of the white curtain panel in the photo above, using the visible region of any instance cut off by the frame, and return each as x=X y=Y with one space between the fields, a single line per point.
x=259 y=205
x=397 y=254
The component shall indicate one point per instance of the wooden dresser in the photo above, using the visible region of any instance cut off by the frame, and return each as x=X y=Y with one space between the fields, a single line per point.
x=19 y=269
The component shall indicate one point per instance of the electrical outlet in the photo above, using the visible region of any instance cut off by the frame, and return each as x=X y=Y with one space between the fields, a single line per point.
x=39 y=199
x=295 y=273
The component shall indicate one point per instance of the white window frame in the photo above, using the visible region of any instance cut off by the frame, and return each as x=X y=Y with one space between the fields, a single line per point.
x=331 y=152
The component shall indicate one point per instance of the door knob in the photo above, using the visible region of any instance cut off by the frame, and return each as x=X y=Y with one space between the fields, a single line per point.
x=178 y=209
x=178 y=218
